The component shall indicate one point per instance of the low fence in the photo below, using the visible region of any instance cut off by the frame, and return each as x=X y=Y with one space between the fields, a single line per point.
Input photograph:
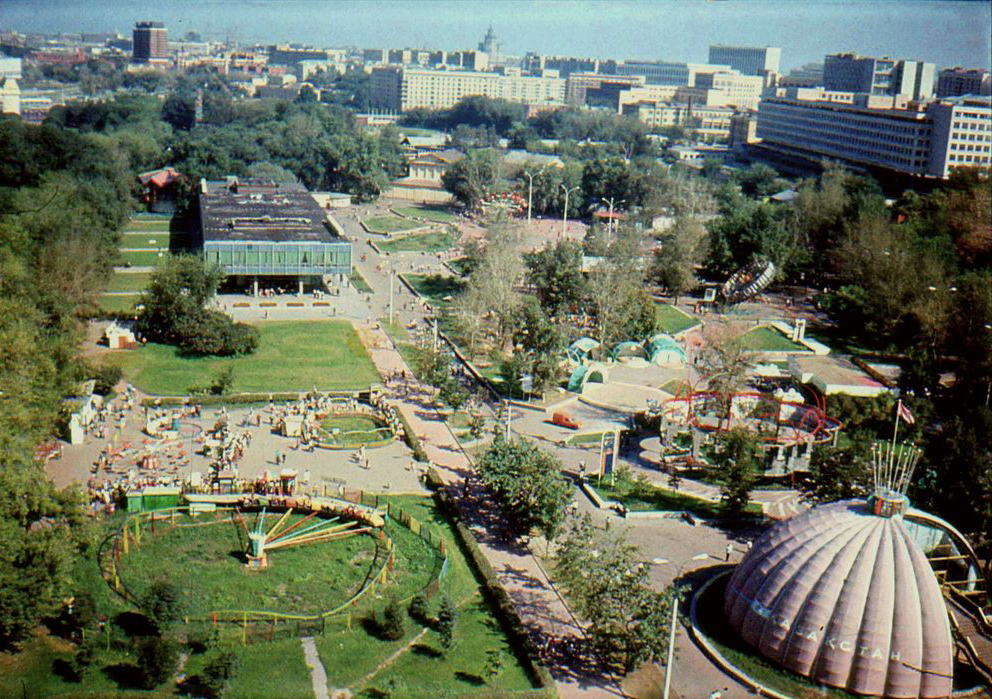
x=267 y=625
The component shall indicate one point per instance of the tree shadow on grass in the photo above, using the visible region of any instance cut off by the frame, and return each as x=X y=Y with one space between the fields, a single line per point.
x=125 y=675
x=469 y=678
x=425 y=651
x=134 y=624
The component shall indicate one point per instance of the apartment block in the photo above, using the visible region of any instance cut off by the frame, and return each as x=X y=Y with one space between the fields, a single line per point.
x=150 y=43
x=400 y=89
x=668 y=73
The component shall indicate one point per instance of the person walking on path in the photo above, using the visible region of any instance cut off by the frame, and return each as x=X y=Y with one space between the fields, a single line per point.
x=730 y=550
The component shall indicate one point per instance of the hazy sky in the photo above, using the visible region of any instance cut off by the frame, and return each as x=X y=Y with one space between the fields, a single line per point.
x=941 y=31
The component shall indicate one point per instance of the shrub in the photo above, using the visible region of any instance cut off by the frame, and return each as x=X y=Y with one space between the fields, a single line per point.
x=391 y=626
x=107 y=376
x=420 y=609
x=161 y=603
x=214 y=333
x=447 y=615
x=157 y=660
x=214 y=678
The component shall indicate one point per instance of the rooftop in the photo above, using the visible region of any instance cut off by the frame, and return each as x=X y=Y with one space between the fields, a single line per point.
x=261 y=211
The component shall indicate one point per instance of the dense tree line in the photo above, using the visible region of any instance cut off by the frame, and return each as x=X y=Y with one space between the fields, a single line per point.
x=63 y=197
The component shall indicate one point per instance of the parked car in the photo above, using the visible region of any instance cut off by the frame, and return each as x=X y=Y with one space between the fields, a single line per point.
x=565 y=420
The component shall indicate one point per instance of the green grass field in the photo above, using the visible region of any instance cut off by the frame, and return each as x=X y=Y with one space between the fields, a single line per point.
x=354 y=430
x=118 y=304
x=435 y=288
x=129 y=281
x=143 y=258
x=421 y=242
x=642 y=497
x=148 y=224
x=390 y=224
x=147 y=241
x=291 y=356
x=765 y=339
x=358 y=281
x=431 y=213
x=204 y=565
x=671 y=320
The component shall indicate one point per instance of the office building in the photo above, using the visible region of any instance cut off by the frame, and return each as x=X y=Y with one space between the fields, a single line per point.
x=400 y=89
x=535 y=63
x=867 y=131
x=749 y=60
x=810 y=75
x=490 y=47
x=291 y=55
x=952 y=82
x=595 y=90
x=272 y=230
x=150 y=43
x=731 y=89
x=668 y=73
x=850 y=72
x=704 y=121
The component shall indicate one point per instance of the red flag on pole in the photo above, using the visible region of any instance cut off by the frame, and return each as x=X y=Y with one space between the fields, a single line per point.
x=904 y=413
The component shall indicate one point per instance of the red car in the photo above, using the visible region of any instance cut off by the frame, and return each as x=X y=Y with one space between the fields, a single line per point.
x=564 y=420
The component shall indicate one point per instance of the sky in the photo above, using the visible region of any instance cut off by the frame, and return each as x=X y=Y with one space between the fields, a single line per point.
x=946 y=32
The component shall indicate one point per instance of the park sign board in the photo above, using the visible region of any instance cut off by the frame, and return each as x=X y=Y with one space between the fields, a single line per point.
x=607 y=453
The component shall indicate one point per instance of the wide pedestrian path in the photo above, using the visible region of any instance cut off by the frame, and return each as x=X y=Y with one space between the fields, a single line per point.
x=542 y=609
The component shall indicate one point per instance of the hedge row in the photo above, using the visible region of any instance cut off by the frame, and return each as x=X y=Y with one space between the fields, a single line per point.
x=411 y=438
x=210 y=399
x=496 y=594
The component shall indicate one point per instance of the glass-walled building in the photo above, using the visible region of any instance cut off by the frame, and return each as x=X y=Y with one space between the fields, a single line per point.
x=260 y=231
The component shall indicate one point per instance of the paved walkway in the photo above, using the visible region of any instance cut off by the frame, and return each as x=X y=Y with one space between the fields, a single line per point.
x=318 y=676
x=542 y=609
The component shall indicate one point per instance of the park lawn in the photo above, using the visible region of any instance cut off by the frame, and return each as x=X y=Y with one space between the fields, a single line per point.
x=291 y=356
x=677 y=387
x=435 y=288
x=390 y=224
x=118 y=303
x=672 y=320
x=146 y=241
x=585 y=438
x=765 y=339
x=460 y=265
x=421 y=242
x=350 y=655
x=146 y=225
x=431 y=213
x=271 y=669
x=129 y=281
x=644 y=497
x=144 y=258
x=358 y=281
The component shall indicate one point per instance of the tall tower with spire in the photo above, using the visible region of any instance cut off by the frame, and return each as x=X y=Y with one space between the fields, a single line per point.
x=490 y=46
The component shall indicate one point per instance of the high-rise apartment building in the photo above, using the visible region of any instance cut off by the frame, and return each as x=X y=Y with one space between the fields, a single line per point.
x=150 y=43
x=850 y=72
x=749 y=60
x=952 y=82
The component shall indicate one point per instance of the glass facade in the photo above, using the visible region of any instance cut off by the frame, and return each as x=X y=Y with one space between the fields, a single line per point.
x=280 y=259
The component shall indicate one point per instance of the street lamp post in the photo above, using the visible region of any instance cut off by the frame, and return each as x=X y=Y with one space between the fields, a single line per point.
x=392 y=273
x=675 y=613
x=530 y=190
x=611 y=201
x=564 y=213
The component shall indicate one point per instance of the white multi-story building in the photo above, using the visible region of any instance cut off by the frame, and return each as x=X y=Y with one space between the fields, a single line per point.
x=749 y=60
x=878 y=76
x=732 y=88
x=9 y=67
x=927 y=140
x=401 y=89
x=713 y=122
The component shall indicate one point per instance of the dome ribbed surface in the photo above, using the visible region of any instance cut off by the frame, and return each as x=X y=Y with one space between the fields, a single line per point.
x=847 y=599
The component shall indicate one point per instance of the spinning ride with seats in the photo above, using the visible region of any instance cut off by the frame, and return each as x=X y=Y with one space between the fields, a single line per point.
x=750 y=280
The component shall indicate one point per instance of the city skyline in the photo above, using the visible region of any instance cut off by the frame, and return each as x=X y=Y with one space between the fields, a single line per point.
x=674 y=30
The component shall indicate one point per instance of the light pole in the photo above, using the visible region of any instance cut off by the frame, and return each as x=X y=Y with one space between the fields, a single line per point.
x=675 y=613
x=564 y=213
x=530 y=189
x=611 y=201
x=392 y=273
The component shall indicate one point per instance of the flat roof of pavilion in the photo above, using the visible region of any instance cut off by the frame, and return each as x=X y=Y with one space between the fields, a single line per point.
x=234 y=211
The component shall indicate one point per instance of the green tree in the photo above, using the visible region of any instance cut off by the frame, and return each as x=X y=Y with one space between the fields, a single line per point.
x=447 y=617
x=493 y=665
x=541 y=344
x=736 y=461
x=839 y=474
x=473 y=178
x=555 y=271
x=725 y=365
x=604 y=576
x=528 y=484
x=674 y=264
x=157 y=660
x=391 y=625
x=162 y=603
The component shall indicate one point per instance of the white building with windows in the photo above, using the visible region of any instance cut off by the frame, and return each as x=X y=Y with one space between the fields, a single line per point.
x=409 y=88
x=926 y=140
